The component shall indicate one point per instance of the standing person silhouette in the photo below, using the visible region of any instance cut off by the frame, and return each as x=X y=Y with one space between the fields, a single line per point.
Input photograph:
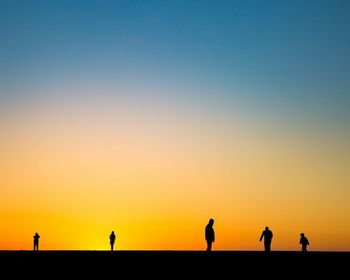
x=209 y=234
x=304 y=242
x=267 y=236
x=112 y=240
x=36 y=241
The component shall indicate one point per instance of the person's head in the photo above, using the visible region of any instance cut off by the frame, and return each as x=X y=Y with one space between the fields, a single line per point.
x=211 y=221
x=267 y=228
x=302 y=234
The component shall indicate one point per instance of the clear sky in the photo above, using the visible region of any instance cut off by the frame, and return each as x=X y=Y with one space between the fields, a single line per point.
x=151 y=117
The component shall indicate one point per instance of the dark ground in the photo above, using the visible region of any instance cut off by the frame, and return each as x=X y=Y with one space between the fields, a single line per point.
x=174 y=264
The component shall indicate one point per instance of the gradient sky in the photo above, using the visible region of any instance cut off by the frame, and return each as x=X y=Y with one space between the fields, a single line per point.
x=151 y=117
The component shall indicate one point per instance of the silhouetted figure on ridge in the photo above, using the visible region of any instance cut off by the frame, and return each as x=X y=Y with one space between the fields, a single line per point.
x=112 y=240
x=36 y=241
x=267 y=236
x=304 y=242
x=209 y=234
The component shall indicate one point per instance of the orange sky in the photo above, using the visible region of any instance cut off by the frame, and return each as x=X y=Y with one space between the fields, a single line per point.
x=156 y=173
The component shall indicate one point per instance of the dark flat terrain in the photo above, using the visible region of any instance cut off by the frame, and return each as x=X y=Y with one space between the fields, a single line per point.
x=171 y=264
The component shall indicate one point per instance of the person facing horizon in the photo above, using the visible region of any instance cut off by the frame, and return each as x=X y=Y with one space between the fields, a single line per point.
x=304 y=242
x=112 y=240
x=267 y=236
x=36 y=241
x=209 y=234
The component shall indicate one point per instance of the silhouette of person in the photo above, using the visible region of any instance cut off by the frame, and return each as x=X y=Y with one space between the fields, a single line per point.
x=267 y=236
x=36 y=241
x=304 y=242
x=112 y=240
x=209 y=234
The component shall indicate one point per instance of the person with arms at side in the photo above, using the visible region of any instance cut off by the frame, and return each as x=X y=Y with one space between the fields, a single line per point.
x=36 y=241
x=209 y=234
x=112 y=240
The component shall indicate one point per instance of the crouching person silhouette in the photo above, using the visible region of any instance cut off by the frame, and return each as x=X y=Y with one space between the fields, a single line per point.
x=304 y=242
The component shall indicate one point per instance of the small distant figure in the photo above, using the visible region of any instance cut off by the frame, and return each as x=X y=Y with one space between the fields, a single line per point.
x=36 y=241
x=209 y=234
x=304 y=242
x=112 y=240
x=267 y=236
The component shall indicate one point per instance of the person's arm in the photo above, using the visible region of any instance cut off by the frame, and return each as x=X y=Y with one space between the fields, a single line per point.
x=262 y=235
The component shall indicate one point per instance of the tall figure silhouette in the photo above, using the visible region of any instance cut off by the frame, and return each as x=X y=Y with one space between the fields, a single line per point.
x=304 y=242
x=267 y=236
x=36 y=241
x=112 y=240
x=209 y=234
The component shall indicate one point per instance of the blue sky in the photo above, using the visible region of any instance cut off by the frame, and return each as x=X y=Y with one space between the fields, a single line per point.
x=292 y=55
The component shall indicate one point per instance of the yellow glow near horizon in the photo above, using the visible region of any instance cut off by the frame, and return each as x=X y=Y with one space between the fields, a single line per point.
x=156 y=176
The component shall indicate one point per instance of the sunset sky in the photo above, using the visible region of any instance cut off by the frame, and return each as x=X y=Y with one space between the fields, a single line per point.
x=151 y=117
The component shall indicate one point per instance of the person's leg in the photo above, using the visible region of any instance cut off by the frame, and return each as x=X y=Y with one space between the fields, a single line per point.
x=208 y=246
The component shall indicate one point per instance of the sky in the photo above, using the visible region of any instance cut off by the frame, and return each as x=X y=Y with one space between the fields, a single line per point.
x=151 y=117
